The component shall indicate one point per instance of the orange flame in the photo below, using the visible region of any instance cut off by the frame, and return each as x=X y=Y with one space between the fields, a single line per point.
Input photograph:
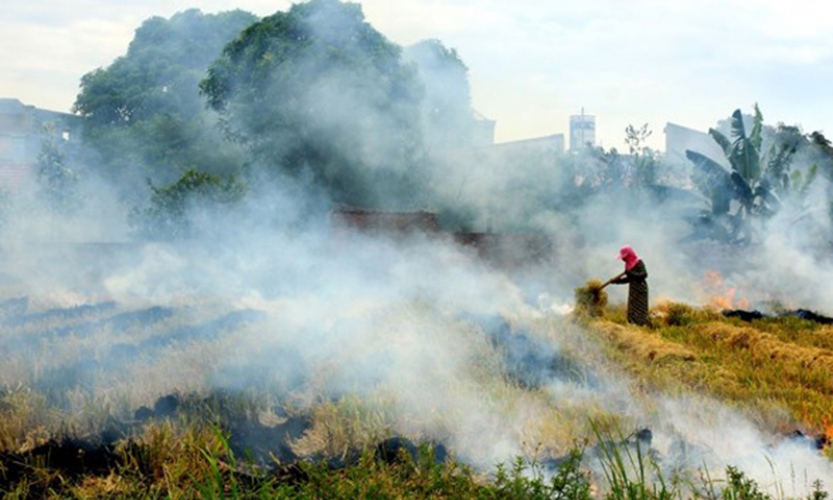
x=720 y=296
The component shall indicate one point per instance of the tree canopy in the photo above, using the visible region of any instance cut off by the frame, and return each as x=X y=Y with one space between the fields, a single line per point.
x=317 y=96
x=316 y=92
x=144 y=114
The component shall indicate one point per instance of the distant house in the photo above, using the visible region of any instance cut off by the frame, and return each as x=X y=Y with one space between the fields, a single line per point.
x=678 y=139
x=551 y=144
x=386 y=223
x=22 y=131
x=506 y=251
x=483 y=131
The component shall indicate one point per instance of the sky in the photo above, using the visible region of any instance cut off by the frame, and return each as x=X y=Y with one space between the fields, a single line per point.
x=532 y=63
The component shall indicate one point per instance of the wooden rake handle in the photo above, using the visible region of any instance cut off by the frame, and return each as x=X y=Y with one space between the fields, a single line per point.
x=611 y=280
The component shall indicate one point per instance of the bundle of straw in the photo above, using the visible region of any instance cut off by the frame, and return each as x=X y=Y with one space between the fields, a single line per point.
x=591 y=299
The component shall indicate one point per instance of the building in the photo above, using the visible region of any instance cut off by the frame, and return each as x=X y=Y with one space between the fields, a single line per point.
x=505 y=251
x=22 y=131
x=382 y=222
x=678 y=139
x=483 y=131
x=582 y=131
x=548 y=144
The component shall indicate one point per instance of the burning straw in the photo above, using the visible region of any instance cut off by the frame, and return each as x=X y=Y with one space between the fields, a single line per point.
x=591 y=299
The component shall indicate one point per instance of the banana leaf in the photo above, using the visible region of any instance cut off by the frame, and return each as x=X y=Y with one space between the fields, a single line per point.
x=778 y=164
x=738 y=128
x=714 y=181
x=744 y=156
x=757 y=127
x=722 y=141
x=770 y=202
x=708 y=167
x=743 y=191
x=745 y=160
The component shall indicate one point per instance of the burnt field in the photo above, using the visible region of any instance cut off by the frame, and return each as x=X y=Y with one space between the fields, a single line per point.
x=101 y=397
x=421 y=362
x=288 y=257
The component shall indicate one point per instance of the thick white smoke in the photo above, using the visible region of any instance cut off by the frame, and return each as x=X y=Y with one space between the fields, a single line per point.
x=418 y=325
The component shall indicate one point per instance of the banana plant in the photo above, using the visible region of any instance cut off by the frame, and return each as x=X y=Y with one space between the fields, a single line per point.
x=751 y=190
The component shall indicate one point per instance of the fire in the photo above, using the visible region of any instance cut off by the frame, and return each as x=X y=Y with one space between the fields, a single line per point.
x=828 y=428
x=720 y=296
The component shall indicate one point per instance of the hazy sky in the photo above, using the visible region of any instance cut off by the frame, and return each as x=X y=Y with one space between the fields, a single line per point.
x=532 y=63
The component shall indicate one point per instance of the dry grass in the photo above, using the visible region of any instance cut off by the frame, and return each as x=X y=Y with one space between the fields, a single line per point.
x=27 y=421
x=591 y=299
x=172 y=454
x=339 y=427
x=765 y=346
x=753 y=367
x=644 y=344
x=798 y=331
x=690 y=350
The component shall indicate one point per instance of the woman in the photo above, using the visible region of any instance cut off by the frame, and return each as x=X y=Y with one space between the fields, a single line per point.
x=636 y=276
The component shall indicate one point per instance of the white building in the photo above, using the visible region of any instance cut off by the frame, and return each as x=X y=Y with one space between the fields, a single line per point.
x=22 y=129
x=582 y=131
x=678 y=139
x=549 y=144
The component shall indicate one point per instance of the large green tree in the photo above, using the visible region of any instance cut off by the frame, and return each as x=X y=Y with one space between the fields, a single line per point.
x=317 y=93
x=144 y=115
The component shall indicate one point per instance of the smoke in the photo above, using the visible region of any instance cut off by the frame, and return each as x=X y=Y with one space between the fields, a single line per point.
x=447 y=346
x=268 y=294
x=704 y=434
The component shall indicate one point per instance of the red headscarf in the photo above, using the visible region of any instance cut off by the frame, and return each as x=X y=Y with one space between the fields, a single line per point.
x=627 y=254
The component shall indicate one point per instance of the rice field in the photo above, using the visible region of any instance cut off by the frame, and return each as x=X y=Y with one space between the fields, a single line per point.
x=272 y=398
x=779 y=370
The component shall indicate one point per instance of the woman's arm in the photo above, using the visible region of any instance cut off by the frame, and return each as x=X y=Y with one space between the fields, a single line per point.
x=621 y=279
